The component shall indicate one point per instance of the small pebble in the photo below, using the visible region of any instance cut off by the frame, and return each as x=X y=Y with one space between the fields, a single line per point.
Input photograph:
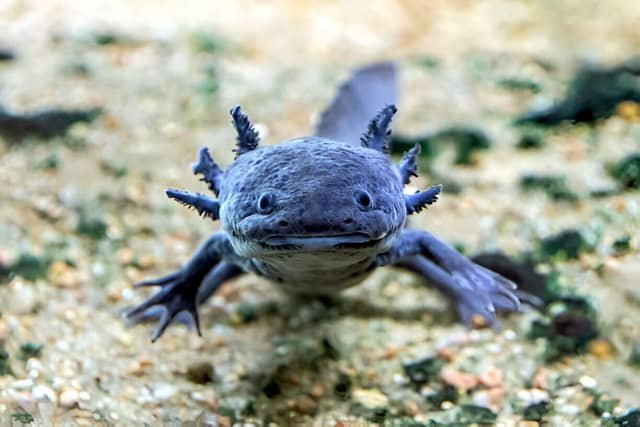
x=588 y=382
x=446 y=405
x=135 y=369
x=69 y=398
x=492 y=377
x=207 y=398
x=411 y=408
x=147 y=262
x=34 y=364
x=42 y=392
x=316 y=391
x=478 y=321
x=305 y=405
x=491 y=398
x=458 y=379
x=22 y=297
x=629 y=111
x=64 y=276
x=540 y=379
x=532 y=395
x=446 y=353
x=600 y=348
x=510 y=335
x=571 y=410
x=200 y=373
x=370 y=398
x=163 y=391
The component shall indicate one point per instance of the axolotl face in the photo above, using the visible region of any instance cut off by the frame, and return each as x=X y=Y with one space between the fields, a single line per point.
x=312 y=200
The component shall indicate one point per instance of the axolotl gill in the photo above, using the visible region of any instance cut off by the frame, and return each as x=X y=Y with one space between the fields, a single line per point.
x=320 y=213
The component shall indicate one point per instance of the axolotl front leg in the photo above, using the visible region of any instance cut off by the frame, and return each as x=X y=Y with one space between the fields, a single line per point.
x=474 y=289
x=184 y=289
x=215 y=261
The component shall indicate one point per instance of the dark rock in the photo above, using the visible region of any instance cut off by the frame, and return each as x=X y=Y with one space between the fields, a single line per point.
x=630 y=419
x=567 y=244
x=466 y=140
x=571 y=325
x=200 y=373
x=271 y=389
x=424 y=370
x=342 y=387
x=536 y=411
x=447 y=393
x=530 y=141
x=470 y=414
x=593 y=94
x=622 y=245
x=554 y=185
x=29 y=350
x=5 y=367
x=26 y=265
x=6 y=55
x=627 y=172
x=602 y=404
x=42 y=124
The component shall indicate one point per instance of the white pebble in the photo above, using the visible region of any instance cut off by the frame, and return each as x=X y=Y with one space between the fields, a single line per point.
x=69 y=398
x=569 y=410
x=33 y=364
x=588 y=382
x=532 y=396
x=400 y=379
x=42 y=392
x=163 y=391
x=510 y=335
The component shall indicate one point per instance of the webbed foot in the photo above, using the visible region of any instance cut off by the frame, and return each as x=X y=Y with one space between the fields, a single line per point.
x=476 y=291
x=178 y=294
x=184 y=289
x=480 y=292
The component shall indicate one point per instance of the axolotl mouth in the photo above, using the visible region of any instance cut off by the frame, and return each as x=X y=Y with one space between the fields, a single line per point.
x=321 y=242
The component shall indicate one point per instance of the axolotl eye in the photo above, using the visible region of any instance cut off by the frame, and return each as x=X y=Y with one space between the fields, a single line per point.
x=265 y=203
x=364 y=199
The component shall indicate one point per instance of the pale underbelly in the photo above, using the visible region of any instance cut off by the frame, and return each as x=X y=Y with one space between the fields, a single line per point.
x=315 y=275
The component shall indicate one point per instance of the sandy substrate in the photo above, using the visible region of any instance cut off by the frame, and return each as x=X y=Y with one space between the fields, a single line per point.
x=164 y=97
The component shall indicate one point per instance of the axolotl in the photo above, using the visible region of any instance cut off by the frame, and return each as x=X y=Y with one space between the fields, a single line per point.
x=318 y=214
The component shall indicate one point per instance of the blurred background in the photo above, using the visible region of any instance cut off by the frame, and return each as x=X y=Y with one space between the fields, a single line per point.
x=527 y=111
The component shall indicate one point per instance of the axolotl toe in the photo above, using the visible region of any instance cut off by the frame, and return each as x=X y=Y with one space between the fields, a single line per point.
x=319 y=213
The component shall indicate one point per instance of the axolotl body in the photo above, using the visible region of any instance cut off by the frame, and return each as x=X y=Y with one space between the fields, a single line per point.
x=318 y=214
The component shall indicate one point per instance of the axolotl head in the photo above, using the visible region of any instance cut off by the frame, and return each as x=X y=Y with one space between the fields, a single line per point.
x=309 y=195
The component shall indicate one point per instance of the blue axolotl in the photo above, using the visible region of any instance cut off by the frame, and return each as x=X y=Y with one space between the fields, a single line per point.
x=320 y=213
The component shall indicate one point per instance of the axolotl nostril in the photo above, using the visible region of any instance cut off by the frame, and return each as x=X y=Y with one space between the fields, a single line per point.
x=319 y=213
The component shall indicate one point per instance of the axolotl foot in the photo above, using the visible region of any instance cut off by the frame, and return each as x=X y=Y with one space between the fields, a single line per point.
x=476 y=292
x=176 y=296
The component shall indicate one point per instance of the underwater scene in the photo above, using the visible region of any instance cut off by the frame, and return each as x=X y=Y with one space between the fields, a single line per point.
x=292 y=213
